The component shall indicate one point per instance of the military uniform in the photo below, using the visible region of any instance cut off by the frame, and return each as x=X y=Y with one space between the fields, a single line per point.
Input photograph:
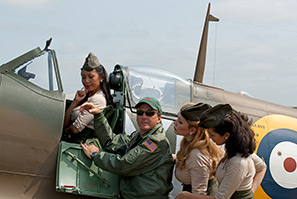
x=144 y=163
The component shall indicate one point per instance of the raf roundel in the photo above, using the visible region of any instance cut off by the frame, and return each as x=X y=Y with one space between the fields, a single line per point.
x=283 y=165
x=277 y=148
x=276 y=137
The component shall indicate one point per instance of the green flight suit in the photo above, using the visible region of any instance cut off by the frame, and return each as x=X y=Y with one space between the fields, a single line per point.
x=145 y=163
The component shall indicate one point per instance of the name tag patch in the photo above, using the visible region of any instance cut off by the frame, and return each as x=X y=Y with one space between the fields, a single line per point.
x=150 y=145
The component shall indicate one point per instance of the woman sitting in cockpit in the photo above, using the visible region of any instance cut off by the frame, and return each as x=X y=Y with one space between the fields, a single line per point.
x=78 y=127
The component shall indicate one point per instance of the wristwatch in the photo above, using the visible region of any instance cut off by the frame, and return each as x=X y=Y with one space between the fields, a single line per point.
x=93 y=155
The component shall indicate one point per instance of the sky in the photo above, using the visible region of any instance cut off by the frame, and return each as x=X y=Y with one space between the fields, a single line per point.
x=252 y=48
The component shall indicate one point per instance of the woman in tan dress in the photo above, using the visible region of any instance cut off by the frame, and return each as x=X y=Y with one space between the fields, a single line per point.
x=240 y=171
x=198 y=156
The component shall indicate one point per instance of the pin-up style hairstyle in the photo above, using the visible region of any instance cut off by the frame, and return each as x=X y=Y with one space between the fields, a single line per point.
x=222 y=119
x=201 y=139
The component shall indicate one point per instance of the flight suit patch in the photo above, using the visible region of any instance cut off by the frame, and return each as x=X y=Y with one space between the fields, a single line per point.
x=150 y=145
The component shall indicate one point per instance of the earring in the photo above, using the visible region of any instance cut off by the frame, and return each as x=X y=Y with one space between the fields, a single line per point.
x=226 y=138
x=190 y=133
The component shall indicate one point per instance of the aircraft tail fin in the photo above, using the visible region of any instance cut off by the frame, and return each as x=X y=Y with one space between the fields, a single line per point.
x=200 y=64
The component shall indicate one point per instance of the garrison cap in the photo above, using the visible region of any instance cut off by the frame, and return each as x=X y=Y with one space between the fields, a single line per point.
x=192 y=112
x=91 y=62
x=214 y=116
x=152 y=102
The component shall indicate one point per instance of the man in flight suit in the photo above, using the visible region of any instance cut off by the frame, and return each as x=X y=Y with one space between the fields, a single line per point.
x=143 y=159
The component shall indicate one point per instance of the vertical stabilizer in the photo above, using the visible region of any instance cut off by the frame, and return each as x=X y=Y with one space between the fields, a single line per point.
x=200 y=65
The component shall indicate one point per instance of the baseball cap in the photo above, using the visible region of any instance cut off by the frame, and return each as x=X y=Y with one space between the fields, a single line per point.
x=152 y=102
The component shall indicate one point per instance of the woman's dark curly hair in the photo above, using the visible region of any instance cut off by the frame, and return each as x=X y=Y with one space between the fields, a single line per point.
x=242 y=137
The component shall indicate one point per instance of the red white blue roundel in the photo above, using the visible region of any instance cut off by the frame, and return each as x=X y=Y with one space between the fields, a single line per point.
x=279 y=148
x=283 y=165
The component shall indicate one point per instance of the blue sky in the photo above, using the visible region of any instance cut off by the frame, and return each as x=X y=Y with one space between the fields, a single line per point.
x=253 y=47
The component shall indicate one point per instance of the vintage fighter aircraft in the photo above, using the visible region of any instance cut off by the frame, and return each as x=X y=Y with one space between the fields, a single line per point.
x=35 y=163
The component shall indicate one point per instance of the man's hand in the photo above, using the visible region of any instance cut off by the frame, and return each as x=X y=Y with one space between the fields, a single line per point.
x=182 y=195
x=91 y=108
x=89 y=149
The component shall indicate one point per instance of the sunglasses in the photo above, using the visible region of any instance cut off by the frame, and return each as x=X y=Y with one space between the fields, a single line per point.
x=147 y=113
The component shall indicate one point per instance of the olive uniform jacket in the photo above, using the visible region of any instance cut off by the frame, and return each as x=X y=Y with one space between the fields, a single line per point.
x=145 y=163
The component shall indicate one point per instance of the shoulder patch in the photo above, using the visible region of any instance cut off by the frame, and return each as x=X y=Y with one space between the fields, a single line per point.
x=150 y=145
